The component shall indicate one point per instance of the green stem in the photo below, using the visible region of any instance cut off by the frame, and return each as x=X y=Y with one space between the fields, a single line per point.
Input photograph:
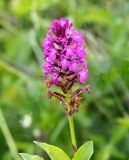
x=72 y=131
x=71 y=125
x=8 y=137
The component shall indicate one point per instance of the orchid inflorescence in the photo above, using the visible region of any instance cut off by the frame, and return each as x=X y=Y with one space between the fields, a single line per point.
x=65 y=63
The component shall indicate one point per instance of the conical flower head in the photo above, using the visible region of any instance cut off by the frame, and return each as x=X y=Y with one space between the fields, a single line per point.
x=64 y=54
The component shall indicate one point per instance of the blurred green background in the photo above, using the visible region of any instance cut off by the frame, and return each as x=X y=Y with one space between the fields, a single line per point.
x=29 y=115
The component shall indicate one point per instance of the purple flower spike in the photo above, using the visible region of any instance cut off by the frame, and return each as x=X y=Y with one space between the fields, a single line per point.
x=65 y=64
x=64 y=53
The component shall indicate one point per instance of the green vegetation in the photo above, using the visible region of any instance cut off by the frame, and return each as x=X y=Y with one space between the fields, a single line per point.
x=25 y=112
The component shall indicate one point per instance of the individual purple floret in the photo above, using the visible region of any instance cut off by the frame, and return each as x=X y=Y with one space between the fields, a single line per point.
x=64 y=54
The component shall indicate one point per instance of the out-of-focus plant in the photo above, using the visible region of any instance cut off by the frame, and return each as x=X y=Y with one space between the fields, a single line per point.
x=65 y=66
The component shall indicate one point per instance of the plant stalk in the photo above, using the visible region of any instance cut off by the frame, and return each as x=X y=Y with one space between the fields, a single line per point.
x=72 y=132
x=71 y=126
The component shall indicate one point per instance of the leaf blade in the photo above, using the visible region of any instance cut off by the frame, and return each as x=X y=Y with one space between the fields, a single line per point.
x=54 y=152
x=26 y=156
x=84 y=152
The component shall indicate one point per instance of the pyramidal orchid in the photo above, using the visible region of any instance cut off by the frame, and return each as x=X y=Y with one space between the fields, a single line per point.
x=65 y=66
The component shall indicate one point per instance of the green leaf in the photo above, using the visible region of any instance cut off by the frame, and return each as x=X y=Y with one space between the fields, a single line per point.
x=30 y=157
x=54 y=152
x=84 y=152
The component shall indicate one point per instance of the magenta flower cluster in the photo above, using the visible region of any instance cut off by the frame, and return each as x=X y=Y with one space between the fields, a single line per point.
x=64 y=52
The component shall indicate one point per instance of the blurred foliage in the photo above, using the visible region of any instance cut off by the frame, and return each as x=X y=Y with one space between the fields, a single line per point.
x=104 y=115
